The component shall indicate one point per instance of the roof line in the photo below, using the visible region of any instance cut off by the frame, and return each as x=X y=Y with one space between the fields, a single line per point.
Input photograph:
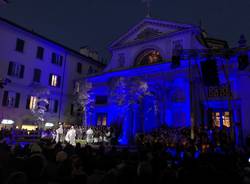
x=151 y=39
x=89 y=59
x=144 y=20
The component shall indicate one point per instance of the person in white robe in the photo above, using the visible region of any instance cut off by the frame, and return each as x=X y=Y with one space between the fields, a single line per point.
x=59 y=134
x=71 y=136
x=89 y=134
x=107 y=136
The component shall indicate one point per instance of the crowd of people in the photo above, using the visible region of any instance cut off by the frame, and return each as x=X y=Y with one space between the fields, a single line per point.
x=92 y=135
x=165 y=155
x=58 y=164
x=63 y=134
x=203 y=140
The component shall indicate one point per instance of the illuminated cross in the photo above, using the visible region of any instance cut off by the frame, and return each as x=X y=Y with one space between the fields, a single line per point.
x=148 y=6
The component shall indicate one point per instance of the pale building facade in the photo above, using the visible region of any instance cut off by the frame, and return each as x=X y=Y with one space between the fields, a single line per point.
x=36 y=65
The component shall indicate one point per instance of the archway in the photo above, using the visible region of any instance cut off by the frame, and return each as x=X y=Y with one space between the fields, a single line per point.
x=148 y=56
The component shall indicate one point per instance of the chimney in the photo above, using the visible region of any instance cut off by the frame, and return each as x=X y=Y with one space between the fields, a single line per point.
x=89 y=52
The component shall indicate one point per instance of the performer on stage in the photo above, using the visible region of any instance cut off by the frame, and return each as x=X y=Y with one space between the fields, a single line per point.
x=59 y=133
x=89 y=134
x=71 y=136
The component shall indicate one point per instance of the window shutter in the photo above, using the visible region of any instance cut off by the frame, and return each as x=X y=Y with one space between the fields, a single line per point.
x=53 y=57
x=10 y=69
x=17 y=100
x=39 y=52
x=50 y=78
x=28 y=102
x=55 y=106
x=72 y=109
x=37 y=75
x=59 y=82
x=21 y=72
x=79 y=68
x=61 y=60
x=5 y=98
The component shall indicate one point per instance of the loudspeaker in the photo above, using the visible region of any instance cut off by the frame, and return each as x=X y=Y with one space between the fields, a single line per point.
x=175 y=61
x=210 y=73
x=242 y=61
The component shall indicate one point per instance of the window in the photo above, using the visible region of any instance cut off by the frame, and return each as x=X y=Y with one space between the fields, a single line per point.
x=79 y=68
x=101 y=100
x=72 y=109
x=19 y=45
x=54 y=80
x=52 y=106
x=37 y=75
x=39 y=53
x=16 y=70
x=57 y=59
x=11 y=99
x=226 y=119
x=221 y=119
x=148 y=56
x=31 y=102
x=216 y=119
x=90 y=70
x=101 y=119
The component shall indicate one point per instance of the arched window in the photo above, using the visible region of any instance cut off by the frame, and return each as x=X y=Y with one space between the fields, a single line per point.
x=148 y=56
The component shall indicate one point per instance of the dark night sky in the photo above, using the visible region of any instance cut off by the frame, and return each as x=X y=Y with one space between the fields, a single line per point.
x=96 y=23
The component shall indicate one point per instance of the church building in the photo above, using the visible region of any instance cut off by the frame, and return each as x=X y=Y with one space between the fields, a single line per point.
x=173 y=74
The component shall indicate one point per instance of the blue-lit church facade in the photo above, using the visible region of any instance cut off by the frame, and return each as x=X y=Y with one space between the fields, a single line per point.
x=167 y=73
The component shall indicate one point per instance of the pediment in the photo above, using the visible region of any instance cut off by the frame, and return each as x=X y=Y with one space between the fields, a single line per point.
x=147 y=33
x=147 y=29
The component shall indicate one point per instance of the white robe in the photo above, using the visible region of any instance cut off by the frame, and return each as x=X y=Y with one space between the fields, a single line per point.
x=89 y=134
x=71 y=137
x=59 y=134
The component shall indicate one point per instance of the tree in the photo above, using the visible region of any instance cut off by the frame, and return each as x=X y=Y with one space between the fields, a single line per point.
x=84 y=100
x=160 y=90
x=128 y=94
x=41 y=93
x=128 y=91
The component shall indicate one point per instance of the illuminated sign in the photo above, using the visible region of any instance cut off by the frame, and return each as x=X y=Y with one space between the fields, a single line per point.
x=7 y=122
x=49 y=124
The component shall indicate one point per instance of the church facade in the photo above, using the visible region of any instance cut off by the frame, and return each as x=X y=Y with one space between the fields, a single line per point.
x=173 y=74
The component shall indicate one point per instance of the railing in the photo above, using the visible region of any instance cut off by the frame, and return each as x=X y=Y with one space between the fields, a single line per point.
x=219 y=91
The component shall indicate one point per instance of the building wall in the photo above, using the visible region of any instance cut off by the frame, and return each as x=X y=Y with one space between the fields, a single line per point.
x=68 y=72
x=163 y=45
x=186 y=91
